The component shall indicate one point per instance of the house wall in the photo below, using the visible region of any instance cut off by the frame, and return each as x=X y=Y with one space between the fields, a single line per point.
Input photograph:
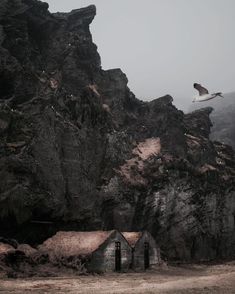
x=103 y=259
x=154 y=253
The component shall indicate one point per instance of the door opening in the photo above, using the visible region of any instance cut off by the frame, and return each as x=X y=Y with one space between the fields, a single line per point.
x=146 y=255
x=118 y=256
x=132 y=258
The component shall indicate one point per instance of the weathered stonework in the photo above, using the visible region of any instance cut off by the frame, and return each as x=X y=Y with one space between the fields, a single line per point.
x=103 y=259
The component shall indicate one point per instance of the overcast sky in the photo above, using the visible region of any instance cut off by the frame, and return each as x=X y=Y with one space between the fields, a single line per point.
x=164 y=46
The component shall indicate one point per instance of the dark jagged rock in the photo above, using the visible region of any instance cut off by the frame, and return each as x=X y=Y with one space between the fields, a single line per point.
x=198 y=121
x=79 y=151
x=11 y=242
x=222 y=118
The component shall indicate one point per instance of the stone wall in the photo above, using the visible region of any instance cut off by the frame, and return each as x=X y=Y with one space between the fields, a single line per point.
x=103 y=259
x=154 y=252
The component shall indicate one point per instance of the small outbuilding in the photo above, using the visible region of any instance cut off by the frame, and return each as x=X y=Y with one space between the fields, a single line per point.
x=145 y=252
x=101 y=251
x=104 y=251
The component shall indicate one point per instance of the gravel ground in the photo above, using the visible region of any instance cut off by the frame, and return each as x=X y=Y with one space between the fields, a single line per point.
x=193 y=279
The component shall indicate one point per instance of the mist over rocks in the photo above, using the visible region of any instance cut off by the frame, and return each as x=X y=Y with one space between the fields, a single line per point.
x=79 y=151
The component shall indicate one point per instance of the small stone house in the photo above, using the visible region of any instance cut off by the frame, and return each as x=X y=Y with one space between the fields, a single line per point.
x=102 y=251
x=145 y=252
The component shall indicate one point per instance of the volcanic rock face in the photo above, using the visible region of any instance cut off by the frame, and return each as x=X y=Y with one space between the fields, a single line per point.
x=79 y=151
x=222 y=118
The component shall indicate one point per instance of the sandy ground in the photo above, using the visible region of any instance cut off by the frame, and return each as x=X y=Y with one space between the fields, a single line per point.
x=194 y=279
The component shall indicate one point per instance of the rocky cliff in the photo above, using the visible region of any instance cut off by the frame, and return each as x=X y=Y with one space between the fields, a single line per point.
x=222 y=118
x=79 y=151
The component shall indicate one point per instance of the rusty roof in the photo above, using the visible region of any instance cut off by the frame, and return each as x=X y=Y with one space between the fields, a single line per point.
x=132 y=237
x=74 y=243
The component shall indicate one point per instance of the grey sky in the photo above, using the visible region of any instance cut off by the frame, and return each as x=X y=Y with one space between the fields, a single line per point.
x=164 y=46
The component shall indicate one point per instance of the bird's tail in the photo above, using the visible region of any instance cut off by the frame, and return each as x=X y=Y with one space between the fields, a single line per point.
x=219 y=94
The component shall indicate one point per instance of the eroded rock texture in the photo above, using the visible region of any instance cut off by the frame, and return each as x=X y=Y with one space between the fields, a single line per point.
x=79 y=151
x=222 y=118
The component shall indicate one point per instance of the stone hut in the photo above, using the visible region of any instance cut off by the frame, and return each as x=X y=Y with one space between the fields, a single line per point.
x=145 y=252
x=101 y=251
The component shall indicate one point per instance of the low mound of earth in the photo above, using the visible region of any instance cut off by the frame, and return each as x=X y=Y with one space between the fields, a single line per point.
x=25 y=261
x=78 y=150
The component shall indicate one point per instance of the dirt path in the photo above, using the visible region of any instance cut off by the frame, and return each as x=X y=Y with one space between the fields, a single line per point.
x=219 y=279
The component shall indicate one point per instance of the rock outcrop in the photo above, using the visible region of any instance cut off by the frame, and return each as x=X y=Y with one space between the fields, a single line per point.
x=222 y=118
x=79 y=151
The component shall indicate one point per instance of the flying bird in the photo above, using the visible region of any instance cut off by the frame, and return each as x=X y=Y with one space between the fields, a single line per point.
x=204 y=94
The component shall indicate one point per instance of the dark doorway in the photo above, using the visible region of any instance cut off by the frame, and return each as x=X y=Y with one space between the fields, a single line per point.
x=132 y=258
x=146 y=255
x=117 y=256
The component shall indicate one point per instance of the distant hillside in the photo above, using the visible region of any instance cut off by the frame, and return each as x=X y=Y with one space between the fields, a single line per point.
x=223 y=118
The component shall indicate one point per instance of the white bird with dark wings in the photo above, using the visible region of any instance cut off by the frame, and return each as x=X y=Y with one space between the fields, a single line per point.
x=204 y=95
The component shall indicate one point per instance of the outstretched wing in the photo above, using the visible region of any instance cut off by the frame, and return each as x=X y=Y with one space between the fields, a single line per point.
x=201 y=90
